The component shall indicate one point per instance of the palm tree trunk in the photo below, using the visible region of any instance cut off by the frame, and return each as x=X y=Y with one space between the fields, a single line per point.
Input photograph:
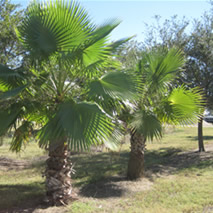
x=58 y=175
x=200 y=135
x=136 y=159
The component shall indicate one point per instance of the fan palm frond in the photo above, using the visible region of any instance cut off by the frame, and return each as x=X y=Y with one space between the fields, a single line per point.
x=9 y=78
x=8 y=118
x=116 y=44
x=113 y=142
x=182 y=106
x=147 y=124
x=94 y=50
x=159 y=68
x=35 y=111
x=53 y=26
x=21 y=136
x=96 y=46
x=82 y=124
x=12 y=93
x=188 y=105
x=114 y=84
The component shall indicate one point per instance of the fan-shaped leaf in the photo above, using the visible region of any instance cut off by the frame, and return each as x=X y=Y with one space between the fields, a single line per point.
x=114 y=84
x=21 y=136
x=9 y=78
x=53 y=26
x=12 y=93
x=8 y=118
x=94 y=50
x=115 y=45
x=186 y=105
x=147 y=124
x=160 y=67
x=82 y=123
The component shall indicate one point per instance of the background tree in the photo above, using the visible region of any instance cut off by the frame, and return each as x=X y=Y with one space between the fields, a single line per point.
x=10 y=16
x=199 y=66
x=11 y=52
x=129 y=53
x=51 y=98
x=196 y=46
x=169 y=33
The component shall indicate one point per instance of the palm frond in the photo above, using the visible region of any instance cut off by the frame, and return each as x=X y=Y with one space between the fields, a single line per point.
x=21 y=136
x=83 y=124
x=9 y=78
x=113 y=142
x=94 y=53
x=35 y=112
x=8 y=118
x=114 y=84
x=117 y=44
x=183 y=106
x=53 y=26
x=160 y=68
x=94 y=49
x=12 y=93
x=146 y=123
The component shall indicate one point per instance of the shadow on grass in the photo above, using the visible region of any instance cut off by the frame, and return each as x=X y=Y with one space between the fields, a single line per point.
x=160 y=156
x=166 y=161
x=98 y=166
x=195 y=138
x=17 y=198
x=96 y=173
x=106 y=188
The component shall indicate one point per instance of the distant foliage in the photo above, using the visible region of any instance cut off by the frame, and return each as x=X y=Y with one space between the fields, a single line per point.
x=10 y=17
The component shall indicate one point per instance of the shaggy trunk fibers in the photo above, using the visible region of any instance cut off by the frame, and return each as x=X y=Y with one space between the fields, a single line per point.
x=136 y=158
x=58 y=175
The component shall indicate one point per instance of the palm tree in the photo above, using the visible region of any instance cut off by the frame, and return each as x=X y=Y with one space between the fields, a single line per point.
x=51 y=97
x=158 y=103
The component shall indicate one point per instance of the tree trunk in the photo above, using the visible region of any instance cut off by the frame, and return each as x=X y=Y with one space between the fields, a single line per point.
x=136 y=158
x=58 y=175
x=200 y=135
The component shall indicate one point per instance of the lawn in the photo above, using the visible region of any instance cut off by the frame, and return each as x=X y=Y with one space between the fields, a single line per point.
x=178 y=179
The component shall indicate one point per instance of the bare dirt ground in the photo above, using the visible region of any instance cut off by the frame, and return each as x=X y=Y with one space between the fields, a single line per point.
x=117 y=186
x=36 y=209
x=7 y=164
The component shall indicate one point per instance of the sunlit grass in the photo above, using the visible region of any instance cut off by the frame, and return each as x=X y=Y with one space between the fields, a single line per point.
x=29 y=151
x=184 y=138
x=188 y=188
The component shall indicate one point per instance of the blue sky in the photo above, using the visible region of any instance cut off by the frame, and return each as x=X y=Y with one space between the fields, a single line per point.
x=134 y=14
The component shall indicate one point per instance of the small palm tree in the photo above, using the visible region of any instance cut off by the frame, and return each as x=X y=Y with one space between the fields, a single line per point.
x=158 y=103
x=52 y=95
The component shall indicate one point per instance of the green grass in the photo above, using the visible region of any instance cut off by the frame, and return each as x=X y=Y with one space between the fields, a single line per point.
x=17 y=187
x=188 y=190
x=184 y=138
x=180 y=181
x=94 y=167
x=21 y=186
x=29 y=152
